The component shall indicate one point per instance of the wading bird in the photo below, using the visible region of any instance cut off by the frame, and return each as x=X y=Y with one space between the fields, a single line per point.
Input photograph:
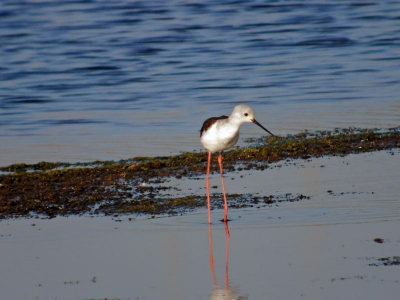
x=222 y=133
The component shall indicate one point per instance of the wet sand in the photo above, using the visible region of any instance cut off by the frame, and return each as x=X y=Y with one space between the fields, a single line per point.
x=327 y=247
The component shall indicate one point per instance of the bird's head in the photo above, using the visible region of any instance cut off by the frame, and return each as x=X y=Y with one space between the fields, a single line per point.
x=245 y=114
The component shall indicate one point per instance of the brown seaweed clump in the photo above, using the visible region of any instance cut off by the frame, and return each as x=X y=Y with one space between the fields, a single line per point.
x=62 y=189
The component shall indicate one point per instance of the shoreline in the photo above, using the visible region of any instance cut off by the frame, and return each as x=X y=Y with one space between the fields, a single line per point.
x=139 y=185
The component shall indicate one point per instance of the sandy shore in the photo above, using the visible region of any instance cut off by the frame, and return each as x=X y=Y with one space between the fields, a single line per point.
x=342 y=243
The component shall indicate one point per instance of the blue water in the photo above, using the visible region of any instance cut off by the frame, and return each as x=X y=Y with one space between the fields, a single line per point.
x=86 y=80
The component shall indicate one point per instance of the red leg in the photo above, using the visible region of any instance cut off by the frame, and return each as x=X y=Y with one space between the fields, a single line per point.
x=208 y=186
x=223 y=188
x=214 y=277
x=227 y=236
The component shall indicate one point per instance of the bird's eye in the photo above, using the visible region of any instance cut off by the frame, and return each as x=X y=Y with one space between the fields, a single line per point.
x=246 y=114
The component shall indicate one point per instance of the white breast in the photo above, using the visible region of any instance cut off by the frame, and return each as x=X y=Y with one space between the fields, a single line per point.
x=220 y=136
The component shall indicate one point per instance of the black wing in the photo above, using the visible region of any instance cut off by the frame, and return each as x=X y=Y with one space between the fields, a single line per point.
x=209 y=122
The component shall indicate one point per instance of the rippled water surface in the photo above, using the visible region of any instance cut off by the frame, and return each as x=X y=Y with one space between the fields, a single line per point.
x=86 y=80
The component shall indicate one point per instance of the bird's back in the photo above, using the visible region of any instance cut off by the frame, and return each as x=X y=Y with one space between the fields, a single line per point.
x=209 y=122
x=219 y=134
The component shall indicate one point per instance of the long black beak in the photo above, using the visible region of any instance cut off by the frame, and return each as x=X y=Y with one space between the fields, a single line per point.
x=255 y=122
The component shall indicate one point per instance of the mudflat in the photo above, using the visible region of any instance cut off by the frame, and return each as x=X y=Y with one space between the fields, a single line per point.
x=307 y=227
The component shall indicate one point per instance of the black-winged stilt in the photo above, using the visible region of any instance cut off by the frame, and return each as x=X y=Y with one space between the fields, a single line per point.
x=222 y=133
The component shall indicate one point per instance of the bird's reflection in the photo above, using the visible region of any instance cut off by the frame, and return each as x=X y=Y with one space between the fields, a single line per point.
x=227 y=293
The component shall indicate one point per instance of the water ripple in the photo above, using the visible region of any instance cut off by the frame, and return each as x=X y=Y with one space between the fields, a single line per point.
x=321 y=64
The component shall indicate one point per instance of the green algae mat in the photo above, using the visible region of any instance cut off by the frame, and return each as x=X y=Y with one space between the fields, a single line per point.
x=47 y=190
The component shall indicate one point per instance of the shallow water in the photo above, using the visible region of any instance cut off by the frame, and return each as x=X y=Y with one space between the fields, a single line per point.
x=313 y=249
x=86 y=80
